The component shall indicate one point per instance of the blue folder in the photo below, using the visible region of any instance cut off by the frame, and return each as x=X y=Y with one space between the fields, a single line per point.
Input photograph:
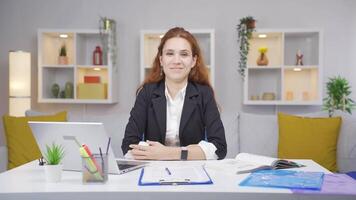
x=285 y=179
x=179 y=181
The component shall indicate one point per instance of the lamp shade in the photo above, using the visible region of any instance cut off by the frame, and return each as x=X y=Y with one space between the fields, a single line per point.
x=19 y=82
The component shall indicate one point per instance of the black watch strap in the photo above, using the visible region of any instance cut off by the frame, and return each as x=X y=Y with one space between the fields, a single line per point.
x=184 y=153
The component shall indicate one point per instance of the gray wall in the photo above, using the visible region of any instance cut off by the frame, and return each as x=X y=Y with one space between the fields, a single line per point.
x=20 y=19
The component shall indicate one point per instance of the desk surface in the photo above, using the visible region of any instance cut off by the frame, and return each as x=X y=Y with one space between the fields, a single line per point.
x=28 y=182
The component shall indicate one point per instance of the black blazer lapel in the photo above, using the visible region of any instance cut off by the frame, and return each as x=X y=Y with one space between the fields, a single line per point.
x=189 y=106
x=160 y=108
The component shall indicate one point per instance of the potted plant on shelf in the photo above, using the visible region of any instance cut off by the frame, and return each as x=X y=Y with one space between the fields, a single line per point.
x=63 y=59
x=338 y=96
x=245 y=28
x=53 y=168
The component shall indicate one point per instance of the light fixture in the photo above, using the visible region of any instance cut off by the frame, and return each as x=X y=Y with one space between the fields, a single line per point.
x=262 y=35
x=297 y=69
x=19 y=82
x=63 y=35
x=96 y=69
x=161 y=36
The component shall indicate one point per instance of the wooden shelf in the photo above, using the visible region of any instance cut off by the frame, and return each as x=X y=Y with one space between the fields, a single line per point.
x=80 y=45
x=290 y=84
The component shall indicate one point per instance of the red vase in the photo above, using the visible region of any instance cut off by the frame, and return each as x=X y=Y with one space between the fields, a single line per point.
x=97 y=56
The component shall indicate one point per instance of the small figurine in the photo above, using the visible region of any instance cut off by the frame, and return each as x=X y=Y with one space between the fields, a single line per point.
x=299 y=57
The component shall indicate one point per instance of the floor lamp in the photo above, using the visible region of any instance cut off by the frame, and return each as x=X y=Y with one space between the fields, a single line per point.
x=19 y=82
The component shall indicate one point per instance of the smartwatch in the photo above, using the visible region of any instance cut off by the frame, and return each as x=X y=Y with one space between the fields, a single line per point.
x=184 y=153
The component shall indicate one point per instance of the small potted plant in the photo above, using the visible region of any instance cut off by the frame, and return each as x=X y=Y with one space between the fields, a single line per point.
x=338 y=96
x=245 y=28
x=53 y=168
x=63 y=59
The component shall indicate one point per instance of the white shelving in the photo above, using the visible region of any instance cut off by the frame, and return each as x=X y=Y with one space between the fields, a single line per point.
x=150 y=40
x=290 y=84
x=80 y=45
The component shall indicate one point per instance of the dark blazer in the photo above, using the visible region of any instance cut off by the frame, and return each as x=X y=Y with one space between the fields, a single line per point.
x=199 y=115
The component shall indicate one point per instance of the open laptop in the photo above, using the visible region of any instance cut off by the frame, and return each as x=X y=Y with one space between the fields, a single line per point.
x=89 y=133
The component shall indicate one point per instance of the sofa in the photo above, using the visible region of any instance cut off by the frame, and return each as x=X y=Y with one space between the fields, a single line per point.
x=245 y=132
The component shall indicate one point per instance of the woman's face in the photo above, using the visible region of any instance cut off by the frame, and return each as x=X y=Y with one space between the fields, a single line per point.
x=177 y=59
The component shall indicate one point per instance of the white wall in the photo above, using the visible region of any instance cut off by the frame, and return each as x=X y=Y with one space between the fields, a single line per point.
x=20 y=19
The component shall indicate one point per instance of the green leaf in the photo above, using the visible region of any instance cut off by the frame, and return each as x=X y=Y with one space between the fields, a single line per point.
x=338 y=91
x=54 y=154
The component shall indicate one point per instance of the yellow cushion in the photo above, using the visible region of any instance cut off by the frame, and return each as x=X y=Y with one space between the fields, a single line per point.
x=22 y=146
x=309 y=138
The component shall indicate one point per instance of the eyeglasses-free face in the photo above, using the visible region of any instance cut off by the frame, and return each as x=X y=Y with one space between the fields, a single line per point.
x=177 y=59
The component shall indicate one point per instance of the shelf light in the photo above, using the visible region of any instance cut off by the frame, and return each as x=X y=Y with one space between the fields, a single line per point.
x=262 y=35
x=297 y=69
x=63 y=35
x=96 y=69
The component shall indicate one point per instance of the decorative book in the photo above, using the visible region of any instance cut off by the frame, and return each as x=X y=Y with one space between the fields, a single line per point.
x=247 y=163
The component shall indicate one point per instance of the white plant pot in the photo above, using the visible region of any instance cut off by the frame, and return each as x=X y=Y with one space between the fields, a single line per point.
x=53 y=172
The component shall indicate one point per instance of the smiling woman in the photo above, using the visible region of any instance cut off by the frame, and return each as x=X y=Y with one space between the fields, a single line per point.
x=177 y=62
x=175 y=109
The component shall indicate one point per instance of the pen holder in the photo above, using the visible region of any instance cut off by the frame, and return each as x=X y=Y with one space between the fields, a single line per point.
x=95 y=168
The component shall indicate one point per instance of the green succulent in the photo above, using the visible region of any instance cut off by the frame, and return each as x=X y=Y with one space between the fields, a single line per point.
x=63 y=51
x=54 y=154
x=338 y=96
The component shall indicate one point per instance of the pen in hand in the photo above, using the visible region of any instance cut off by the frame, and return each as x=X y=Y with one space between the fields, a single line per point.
x=167 y=170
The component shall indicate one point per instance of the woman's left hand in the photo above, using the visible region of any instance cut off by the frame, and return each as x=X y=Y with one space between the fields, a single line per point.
x=154 y=151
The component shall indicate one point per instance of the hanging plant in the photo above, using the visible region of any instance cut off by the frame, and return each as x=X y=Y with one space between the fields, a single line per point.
x=245 y=28
x=338 y=96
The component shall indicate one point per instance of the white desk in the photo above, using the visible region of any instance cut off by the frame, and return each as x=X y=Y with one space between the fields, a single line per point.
x=28 y=182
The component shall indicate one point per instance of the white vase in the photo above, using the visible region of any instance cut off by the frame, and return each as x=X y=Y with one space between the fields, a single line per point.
x=53 y=172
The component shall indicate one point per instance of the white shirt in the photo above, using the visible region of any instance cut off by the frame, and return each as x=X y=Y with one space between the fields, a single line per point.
x=174 y=113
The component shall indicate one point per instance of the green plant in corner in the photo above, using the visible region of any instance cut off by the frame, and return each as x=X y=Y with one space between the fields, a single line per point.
x=54 y=154
x=245 y=28
x=338 y=96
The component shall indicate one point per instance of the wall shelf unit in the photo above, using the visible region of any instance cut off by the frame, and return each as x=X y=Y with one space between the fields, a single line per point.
x=92 y=84
x=282 y=81
x=150 y=40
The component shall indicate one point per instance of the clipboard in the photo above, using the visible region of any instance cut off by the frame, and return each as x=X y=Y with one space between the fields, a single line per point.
x=202 y=177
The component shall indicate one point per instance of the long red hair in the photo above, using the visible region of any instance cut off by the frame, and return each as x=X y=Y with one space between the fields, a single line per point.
x=198 y=74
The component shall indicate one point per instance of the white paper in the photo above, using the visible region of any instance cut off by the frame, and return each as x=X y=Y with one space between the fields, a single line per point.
x=156 y=174
x=243 y=163
x=256 y=159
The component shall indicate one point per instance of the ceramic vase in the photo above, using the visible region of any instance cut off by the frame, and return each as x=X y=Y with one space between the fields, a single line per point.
x=262 y=60
x=63 y=60
x=68 y=90
x=55 y=90
x=53 y=173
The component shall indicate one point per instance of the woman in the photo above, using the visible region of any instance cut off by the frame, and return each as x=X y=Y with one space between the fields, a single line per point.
x=175 y=109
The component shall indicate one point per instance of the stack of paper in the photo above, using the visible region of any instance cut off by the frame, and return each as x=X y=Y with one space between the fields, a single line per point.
x=247 y=163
